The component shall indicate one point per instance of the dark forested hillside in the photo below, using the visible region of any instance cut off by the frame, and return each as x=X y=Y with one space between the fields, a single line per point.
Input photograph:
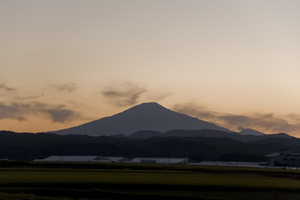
x=212 y=133
x=28 y=146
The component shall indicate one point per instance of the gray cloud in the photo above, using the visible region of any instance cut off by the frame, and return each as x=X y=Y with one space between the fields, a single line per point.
x=28 y=97
x=68 y=87
x=158 y=97
x=61 y=115
x=195 y=110
x=4 y=87
x=15 y=94
x=126 y=94
x=294 y=117
x=14 y=111
x=263 y=122
x=20 y=111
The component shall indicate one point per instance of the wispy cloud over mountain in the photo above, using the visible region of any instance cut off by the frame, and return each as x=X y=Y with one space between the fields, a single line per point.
x=21 y=111
x=264 y=122
x=67 y=87
x=126 y=94
x=61 y=115
x=13 y=111
x=21 y=97
x=6 y=88
x=158 y=96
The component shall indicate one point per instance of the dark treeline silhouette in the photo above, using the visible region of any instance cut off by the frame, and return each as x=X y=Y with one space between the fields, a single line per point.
x=29 y=146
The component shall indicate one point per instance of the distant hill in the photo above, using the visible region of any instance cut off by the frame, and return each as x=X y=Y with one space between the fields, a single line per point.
x=28 y=146
x=146 y=116
x=183 y=133
x=209 y=133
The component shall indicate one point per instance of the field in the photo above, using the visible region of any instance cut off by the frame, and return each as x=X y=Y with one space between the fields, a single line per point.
x=126 y=181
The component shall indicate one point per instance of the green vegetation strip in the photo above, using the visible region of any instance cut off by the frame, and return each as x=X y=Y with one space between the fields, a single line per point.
x=148 y=182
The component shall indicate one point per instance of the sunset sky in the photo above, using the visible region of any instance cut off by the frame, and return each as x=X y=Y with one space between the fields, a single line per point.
x=67 y=62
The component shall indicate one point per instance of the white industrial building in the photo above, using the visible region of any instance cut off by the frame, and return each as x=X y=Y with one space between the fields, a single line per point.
x=161 y=160
x=101 y=159
x=283 y=158
x=63 y=158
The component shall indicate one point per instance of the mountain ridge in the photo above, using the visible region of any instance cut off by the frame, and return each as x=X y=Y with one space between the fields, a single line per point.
x=208 y=133
x=146 y=116
x=41 y=145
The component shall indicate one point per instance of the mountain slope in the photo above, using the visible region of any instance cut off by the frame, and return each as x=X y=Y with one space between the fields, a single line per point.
x=146 y=116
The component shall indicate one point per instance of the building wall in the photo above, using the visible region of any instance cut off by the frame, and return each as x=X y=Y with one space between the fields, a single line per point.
x=285 y=160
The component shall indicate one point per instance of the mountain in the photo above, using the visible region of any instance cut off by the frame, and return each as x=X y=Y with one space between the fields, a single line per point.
x=146 y=116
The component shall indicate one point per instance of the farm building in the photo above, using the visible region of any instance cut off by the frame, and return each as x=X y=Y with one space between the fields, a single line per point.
x=283 y=158
x=63 y=158
x=161 y=160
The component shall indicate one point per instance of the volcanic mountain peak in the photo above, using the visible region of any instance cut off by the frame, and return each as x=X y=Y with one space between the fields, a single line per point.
x=146 y=116
x=145 y=108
